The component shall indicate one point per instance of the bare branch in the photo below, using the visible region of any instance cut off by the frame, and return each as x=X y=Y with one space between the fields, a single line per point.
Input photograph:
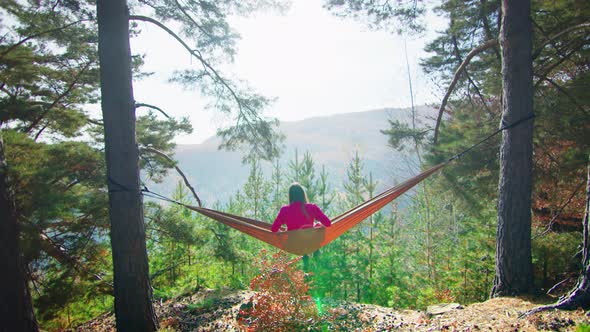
x=546 y=37
x=95 y=122
x=556 y=64
x=138 y=105
x=39 y=133
x=214 y=73
x=561 y=208
x=59 y=98
x=192 y=20
x=559 y=34
x=458 y=54
x=186 y=182
x=56 y=251
x=566 y=93
x=488 y=44
x=557 y=285
x=192 y=52
x=24 y=40
x=169 y=268
x=578 y=296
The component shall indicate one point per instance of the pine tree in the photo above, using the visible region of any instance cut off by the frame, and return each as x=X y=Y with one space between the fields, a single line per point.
x=355 y=192
x=370 y=186
x=307 y=177
x=295 y=168
x=514 y=270
x=133 y=294
x=278 y=188
x=467 y=58
x=257 y=192
x=16 y=310
x=325 y=194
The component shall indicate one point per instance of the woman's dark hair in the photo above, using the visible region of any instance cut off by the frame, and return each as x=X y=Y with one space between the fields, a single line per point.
x=297 y=194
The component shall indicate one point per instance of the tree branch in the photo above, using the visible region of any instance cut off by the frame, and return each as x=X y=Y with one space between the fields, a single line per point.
x=24 y=40
x=59 y=98
x=160 y=272
x=138 y=105
x=458 y=54
x=213 y=73
x=186 y=182
x=566 y=93
x=561 y=208
x=559 y=34
x=546 y=37
x=56 y=251
x=488 y=44
x=557 y=285
x=195 y=53
x=192 y=20
x=556 y=64
x=579 y=296
x=486 y=25
x=95 y=122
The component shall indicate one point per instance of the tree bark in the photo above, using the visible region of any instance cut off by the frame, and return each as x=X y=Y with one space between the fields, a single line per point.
x=133 y=293
x=16 y=308
x=514 y=273
x=580 y=296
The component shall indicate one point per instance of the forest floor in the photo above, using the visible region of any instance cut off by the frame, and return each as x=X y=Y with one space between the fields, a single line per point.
x=209 y=310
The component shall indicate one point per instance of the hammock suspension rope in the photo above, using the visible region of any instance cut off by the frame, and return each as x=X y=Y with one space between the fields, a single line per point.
x=306 y=241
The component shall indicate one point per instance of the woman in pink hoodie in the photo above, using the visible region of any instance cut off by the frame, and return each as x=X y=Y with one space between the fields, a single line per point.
x=299 y=213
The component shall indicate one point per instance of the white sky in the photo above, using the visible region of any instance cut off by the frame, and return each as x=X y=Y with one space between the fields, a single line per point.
x=314 y=63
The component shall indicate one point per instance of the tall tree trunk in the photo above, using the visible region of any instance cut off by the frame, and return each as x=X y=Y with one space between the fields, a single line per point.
x=513 y=240
x=16 y=308
x=133 y=305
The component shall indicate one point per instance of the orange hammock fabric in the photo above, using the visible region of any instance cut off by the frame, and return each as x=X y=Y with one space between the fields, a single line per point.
x=306 y=241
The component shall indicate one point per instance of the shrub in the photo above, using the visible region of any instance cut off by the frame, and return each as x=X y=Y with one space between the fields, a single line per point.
x=282 y=302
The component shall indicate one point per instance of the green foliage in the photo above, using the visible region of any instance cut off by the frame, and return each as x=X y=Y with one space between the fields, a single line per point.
x=307 y=177
x=400 y=16
x=582 y=327
x=158 y=134
x=49 y=74
x=438 y=248
x=207 y=302
x=277 y=183
x=472 y=113
x=256 y=193
x=353 y=184
x=554 y=256
x=325 y=195
x=205 y=26
x=399 y=134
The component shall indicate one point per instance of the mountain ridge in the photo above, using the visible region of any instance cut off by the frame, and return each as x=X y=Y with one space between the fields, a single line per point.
x=331 y=140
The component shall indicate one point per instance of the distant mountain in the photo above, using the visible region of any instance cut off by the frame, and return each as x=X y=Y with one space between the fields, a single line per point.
x=331 y=140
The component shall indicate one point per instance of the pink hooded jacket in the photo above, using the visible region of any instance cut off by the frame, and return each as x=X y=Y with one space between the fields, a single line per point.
x=293 y=217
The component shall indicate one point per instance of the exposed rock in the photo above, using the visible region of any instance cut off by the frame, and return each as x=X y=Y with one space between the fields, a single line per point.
x=438 y=309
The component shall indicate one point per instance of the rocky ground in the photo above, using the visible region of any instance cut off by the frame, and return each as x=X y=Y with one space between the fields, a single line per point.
x=210 y=310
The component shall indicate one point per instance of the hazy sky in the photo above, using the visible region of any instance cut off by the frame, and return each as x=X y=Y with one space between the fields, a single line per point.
x=314 y=63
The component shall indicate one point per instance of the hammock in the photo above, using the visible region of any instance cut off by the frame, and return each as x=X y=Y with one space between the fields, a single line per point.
x=305 y=241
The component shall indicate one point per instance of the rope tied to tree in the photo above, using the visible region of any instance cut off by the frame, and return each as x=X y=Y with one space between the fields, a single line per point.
x=306 y=241
x=148 y=193
x=490 y=136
